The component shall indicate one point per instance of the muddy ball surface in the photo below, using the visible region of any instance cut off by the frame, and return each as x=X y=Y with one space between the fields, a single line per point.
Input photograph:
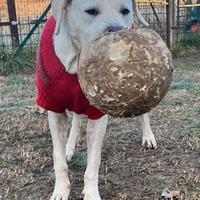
x=126 y=73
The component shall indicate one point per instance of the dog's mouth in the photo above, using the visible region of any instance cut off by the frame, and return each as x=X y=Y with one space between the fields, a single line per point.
x=79 y=43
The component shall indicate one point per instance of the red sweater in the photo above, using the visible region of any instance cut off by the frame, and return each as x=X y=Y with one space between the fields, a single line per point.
x=57 y=89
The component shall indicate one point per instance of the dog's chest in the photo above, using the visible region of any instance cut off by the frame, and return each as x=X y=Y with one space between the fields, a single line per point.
x=58 y=90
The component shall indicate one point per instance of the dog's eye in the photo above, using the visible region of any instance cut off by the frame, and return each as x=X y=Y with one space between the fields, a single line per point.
x=124 y=11
x=92 y=11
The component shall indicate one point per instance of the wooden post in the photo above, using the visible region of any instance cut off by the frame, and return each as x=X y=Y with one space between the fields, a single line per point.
x=170 y=10
x=178 y=14
x=13 y=17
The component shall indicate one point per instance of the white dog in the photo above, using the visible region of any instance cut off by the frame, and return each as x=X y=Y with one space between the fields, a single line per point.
x=77 y=23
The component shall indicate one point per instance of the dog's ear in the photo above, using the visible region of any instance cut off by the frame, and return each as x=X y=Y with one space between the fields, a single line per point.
x=138 y=14
x=58 y=8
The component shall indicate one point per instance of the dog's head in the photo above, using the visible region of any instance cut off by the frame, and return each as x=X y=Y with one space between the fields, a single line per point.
x=81 y=21
x=87 y=19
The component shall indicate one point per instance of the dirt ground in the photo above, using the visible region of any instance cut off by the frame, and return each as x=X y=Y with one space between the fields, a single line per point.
x=127 y=171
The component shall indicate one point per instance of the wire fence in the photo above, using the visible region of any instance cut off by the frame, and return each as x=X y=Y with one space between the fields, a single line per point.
x=187 y=24
x=16 y=20
x=18 y=16
x=156 y=15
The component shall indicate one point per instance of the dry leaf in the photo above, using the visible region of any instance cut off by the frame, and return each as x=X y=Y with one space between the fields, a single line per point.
x=170 y=194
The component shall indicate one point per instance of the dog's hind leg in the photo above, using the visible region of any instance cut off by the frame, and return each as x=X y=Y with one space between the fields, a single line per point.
x=148 y=136
x=73 y=136
x=95 y=132
x=58 y=128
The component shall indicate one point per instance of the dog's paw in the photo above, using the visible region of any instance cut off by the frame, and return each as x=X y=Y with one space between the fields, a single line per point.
x=69 y=152
x=89 y=195
x=149 y=142
x=60 y=193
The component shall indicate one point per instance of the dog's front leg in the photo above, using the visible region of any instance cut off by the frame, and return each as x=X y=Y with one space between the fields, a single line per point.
x=73 y=136
x=58 y=128
x=95 y=132
x=148 y=136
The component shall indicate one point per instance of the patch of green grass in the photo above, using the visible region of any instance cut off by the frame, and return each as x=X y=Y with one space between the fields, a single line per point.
x=187 y=45
x=196 y=125
x=4 y=163
x=189 y=66
x=79 y=161
x=188 y=130
x=174 y=162
x=165 y=103
x=191 y=86
x=190 y=40
x=184 y=132
x=16 y=79
x=192 y=66
x=190 y=184
x=176 y=102
x=197 y=110
x=12 y=104
x=184 y=51
x=23 y=62
x=42 y=145
x=180 y=84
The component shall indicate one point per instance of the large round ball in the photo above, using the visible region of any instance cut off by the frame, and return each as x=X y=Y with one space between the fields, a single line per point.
x=126 y=73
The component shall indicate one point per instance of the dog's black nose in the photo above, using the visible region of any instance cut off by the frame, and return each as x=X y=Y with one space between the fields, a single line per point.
x=113 y=28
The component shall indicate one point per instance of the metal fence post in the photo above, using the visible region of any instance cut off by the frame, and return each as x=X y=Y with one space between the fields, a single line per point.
x=170 y=14
x=13 y=17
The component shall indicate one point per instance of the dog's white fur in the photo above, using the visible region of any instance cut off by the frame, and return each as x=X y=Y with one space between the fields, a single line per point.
x=74 y=28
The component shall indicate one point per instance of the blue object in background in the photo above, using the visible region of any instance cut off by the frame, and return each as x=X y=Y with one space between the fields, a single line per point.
x=195 y=18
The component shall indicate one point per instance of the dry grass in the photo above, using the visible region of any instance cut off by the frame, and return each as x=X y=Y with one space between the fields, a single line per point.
x=127 y=171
